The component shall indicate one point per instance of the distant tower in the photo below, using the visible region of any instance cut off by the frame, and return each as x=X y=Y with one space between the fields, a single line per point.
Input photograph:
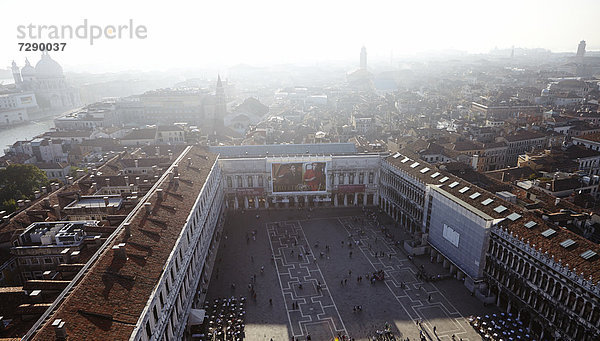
x=363 y=58
x=581 y=49
x=16 y=74
x=221 y=104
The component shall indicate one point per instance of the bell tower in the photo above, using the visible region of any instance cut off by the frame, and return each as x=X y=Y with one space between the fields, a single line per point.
x=16 y=74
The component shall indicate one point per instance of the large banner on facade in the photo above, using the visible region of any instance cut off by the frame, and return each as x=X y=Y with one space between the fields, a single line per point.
x=299 y=177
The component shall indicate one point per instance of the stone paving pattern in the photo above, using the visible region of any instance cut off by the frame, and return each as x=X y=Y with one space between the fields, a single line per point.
x=401 y=299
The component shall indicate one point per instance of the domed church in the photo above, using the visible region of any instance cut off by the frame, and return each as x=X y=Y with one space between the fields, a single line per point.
x=47 y=81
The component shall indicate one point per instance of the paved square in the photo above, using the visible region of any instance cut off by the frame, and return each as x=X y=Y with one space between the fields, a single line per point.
x=312 y=262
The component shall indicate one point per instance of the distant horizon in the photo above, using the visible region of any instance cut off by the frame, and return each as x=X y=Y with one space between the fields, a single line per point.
x=268 y=32
x=421 y=56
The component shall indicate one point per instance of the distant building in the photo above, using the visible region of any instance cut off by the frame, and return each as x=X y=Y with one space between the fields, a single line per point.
x=363 y=58
x=581 y=49
x=47 y=81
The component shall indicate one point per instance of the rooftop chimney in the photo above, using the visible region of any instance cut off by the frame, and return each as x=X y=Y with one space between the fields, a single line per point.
x=56 y=209
x=127 y=229
x=60 y=329
x=148 y=207
x=120 y=251
x=106 y=201
x=126 y=178
x=136 y=162
x=107 y=182
x=159 y=192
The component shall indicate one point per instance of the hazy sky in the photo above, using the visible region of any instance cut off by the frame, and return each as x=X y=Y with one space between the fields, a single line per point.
x=221 y=32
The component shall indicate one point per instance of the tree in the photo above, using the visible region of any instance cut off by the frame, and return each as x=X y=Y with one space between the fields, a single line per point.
x=19 y=182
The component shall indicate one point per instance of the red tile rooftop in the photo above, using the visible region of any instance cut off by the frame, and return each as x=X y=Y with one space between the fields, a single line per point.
x=590 y=137
x=109 y=299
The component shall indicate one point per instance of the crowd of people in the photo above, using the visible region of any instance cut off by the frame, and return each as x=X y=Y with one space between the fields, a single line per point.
x=503 y=326
x=224 y=319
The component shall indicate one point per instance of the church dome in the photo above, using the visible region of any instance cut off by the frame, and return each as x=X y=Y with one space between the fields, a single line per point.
x=27 y=70
x=48 y=68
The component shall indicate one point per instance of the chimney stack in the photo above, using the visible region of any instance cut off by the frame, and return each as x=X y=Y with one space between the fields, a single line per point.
x=56 y=209
x=176 y=169
x=107 y=182
x=60 y=329
x=136 y=162
x=106 y=201
x=159 y=192
x=127 y=229
x=126 y=178
x=120 y=251
x=148 y=207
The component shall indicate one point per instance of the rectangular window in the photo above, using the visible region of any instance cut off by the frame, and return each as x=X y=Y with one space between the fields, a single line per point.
x=361 y=178
x=239 y=181
x=148 y=330
x=260 y=181
x=48 y=260
x=229 y=182
x=155 y=313
x=371 y=177
x=250 y=181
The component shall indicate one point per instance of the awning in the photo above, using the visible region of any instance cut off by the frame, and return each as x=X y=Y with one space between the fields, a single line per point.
x=196 y=316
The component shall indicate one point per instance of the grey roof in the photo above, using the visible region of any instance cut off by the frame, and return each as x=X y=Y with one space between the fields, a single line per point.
x=285 y=149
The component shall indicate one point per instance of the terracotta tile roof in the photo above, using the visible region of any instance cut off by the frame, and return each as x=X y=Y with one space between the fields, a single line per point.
x=590 y=137
x=108 y=301
x=524 y=135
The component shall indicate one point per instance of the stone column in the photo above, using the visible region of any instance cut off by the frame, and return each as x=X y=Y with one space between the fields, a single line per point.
x=498 y=299
x=256 y=205
x=335 y=200
x=236 y=203
x=365 y=199
x=345 y=199
x=266 y=202
x=246 y=202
